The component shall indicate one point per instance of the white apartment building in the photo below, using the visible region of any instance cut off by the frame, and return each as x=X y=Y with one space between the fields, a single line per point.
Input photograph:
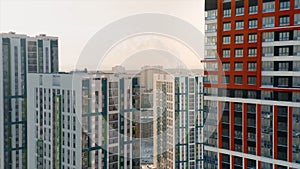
x=178 y=121
x=19 y=55
x=81 y=120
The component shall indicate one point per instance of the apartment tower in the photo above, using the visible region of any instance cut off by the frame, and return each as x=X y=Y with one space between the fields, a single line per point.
x=252 y=84
x=20 y=55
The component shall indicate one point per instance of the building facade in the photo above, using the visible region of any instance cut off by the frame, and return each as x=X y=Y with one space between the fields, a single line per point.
x=177 y=121
x=20 y=55
x=82 y=120
x=252 y=107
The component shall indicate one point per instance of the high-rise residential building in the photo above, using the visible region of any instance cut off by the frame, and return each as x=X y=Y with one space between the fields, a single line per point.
x=178 y=121
x=20 y=55
x=252 y=70
x=82 y=120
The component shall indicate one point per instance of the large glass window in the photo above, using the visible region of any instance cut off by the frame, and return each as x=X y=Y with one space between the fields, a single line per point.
x=296 y=134
x=238 y=66
x=296 y=66
x=252 y=38
x=268 y=22
x=284 y=36
x=268 y=51
x=238 y=79
x=226 y=39
x=226 y=79
x=283 y=66
x=283 y=82
x=297 y=50
x=251 y=80
x=239 y=11
x=227 y=12
x=239 y=25
x=268 y=6
x=211 y=66
x=253 y=9
x=211 y=27
x=226 y=53
x=211 y=79
x=267 y=81
x=284 y=20
x=252 y=23
x=239 y=39
x=284 y=51
x=267 y=131
x=297 y=35
x=297 y=19
x=252 y=52
x=251 y=66
x=238 y=53
x=297 y=4
x=267 y=66
x=226 y=66
x=226 y=26
x=212 y=14
x=285 y=5
x=268 y=36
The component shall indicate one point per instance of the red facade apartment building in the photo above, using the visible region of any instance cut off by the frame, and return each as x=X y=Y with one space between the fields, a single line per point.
x=252 y=84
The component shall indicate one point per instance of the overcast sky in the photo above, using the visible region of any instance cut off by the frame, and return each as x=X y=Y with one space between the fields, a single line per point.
x=76 y=21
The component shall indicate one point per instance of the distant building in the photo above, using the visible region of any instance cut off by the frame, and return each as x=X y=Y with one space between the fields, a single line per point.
x=20 y=55
x=178 y=121
x=82 y=120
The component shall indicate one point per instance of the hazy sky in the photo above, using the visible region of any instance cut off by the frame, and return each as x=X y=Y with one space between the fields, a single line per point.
x=76 y=21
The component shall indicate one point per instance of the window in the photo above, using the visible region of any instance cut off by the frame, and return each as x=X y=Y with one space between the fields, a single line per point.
x=252 y=52
x=297 y=50
x=296 y=66
x=212 y=27
x=285 y=5
x=297 y=4
x=239 y=38
x=226 y=26
x=239 y=11
x=210 y=54
x=212 y=79
x=252 y=66
x=226 y=53
x=268 y=22
x=284 y=51
x=212 y=14
x=211 y=66
x=297 y=19
x=251 y=80
x=211 y=40
x=283 y=82
x=227 y=12
x=253 y=9
x=268 y=6
x=252 y=38
x=226 y=79
x=297 y=35
x=267 y=66
x=239 y=25
x=268 y=36
x=238 y=53
x=268 y=51
x=284 y=36
x=238 y=79
x=267 y=81
x=226 y=39
x=283 y=66
x=238 y=66
x=226 y=66
x=284 y=20
x=252 y=23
